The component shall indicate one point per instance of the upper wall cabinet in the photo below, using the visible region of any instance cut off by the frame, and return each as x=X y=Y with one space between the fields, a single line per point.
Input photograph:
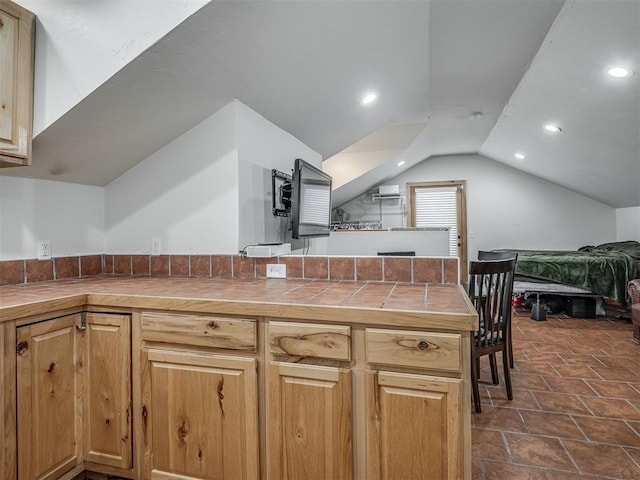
x=16 y=84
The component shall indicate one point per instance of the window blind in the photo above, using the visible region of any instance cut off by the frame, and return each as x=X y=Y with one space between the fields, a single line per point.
x=437 y=207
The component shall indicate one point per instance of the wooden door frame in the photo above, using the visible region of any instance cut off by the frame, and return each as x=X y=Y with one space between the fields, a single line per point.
x=461 y=204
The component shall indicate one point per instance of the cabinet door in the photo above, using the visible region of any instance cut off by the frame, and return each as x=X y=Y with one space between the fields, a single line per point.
x=309 y=422
x=49 y=391
x=107 y=389
x=7 y=400
x=414 y=427
x=199 y=416
x=16 y=84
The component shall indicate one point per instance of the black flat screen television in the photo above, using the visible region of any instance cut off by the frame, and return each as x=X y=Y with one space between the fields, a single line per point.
x=310 y=202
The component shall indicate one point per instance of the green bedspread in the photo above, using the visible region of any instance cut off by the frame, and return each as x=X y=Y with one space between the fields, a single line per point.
x=630 y=247
x=604 y=271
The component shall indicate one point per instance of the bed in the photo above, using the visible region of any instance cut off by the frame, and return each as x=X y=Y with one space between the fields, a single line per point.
x=602 y=270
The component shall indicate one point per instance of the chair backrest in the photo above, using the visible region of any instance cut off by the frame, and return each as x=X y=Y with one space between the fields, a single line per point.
x=494 y=255
x=490 y=286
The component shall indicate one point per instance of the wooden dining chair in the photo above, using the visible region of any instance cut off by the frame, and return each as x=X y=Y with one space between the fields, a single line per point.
x=489 y=293
x=496 y=255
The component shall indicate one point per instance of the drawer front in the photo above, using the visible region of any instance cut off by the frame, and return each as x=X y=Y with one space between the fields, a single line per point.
x=310 y=340
x=200 y=330
x=434 y=351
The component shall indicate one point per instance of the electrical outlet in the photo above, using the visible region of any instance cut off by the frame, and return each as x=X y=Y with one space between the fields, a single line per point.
x=156 y=245
x=44 y=249
x=276 y=270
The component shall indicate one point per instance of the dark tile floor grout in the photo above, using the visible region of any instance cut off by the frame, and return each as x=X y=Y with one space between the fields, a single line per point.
x=576 y=407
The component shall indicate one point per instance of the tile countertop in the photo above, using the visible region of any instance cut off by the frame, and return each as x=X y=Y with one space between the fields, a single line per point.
x=396 y=304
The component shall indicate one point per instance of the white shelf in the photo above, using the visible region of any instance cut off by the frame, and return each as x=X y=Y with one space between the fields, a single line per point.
x=266 y=251
x=395 y=196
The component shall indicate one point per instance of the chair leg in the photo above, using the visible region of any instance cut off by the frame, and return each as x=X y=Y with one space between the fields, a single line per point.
x=507 y=373
x=475 y=371
x=510 y=344
x=510 y=352
x=478 y=368
x=494 y=368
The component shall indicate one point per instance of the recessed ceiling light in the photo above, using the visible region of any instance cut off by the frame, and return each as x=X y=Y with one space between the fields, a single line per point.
x=368 y=98
x=552 y=128
x=401 y=162
x=619 y=72
x=519 y=156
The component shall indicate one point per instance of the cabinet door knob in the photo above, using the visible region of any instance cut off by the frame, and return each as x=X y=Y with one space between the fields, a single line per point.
x=422 y=345
x=82 y=325
x=144 y=421
x=21 y=347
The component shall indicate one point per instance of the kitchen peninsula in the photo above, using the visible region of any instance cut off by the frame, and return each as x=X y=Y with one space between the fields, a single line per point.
x=147 y=377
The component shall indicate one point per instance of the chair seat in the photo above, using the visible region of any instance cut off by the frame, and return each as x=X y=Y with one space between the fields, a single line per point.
x=480 y=338
x=479 y=335
x=497 y=341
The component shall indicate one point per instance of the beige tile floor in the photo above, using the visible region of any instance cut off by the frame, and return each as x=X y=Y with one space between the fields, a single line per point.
x=576 y=407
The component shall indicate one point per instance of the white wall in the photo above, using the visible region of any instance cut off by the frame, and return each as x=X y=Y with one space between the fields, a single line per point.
x=389 y=212
x=262 y=146
x=209 y=191
x=507 y=208
x=80 y=44
x=70 y=216
x=628 y=224
x=186 y=194
x=198 y=194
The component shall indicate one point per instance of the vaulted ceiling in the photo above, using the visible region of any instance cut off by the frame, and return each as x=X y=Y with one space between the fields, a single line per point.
x=453 y=77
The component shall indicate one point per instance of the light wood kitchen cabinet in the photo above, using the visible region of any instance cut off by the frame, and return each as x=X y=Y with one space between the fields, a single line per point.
x=49 y=394
x=310 y=340
x=414 y=428
x=73 y=394
x=374 y=403
x=414 y=421
x=7 y=401
x=309 y=414
x=309 y=422
x=106 y=393
x=16 y=84
x=199 y=411
x=220 y=392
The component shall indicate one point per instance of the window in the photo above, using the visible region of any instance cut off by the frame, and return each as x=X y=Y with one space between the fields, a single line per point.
x=442 y=204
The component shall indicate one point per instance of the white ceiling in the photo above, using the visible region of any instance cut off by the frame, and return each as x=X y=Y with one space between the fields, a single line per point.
x=304 y=65
x=598 y=151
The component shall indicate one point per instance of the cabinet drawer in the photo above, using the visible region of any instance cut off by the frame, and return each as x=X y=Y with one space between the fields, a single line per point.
x=437 y=351
x=310 y=340
x=201 y=330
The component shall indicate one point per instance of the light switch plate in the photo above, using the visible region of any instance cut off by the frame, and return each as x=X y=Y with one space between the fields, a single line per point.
x=276 y=270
